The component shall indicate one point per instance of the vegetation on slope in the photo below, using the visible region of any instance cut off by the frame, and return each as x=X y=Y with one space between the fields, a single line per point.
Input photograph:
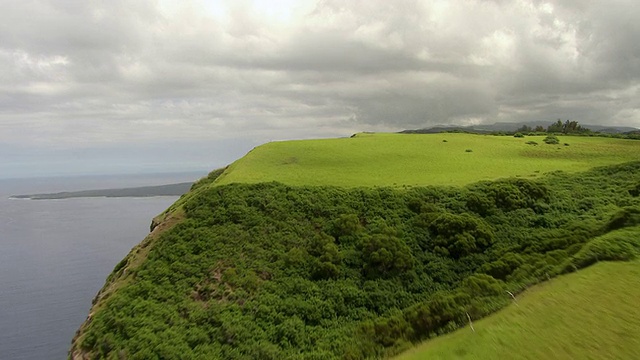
x=591 y=314
x=274 y=271
x=418 y=160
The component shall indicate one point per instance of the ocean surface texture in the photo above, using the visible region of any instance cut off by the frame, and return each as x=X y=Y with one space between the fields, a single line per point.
x=56 y=254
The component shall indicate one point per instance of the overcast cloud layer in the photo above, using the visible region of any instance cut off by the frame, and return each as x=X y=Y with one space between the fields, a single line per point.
x=149 y=85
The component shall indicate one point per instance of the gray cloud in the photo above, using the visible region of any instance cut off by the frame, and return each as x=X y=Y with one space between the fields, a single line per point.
x=100 y=75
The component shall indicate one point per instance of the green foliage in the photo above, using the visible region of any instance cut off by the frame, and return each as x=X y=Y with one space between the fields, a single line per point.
x=506 y=195
x=617 y=245
x=624 y=217
x=551 y=140
x=273 y=271
x=459 y=235
x=209 y=179
x=503 y=267
x=385 y=254
x=555 y=127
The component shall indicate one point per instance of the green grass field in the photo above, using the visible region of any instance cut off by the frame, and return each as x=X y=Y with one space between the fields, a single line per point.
x=591 y=314
x=420 y=159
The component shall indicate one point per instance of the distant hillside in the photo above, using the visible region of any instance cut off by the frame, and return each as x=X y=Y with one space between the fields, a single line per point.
x=511 y=127
x=144 y=191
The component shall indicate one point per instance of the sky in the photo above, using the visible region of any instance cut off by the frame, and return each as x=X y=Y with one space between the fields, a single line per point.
x=115 y=86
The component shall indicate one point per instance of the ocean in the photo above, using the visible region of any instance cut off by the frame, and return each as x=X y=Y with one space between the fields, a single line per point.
x=56 y=254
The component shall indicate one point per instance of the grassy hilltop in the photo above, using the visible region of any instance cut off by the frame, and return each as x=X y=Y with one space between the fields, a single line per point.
x=353 y=249
x=419 y=160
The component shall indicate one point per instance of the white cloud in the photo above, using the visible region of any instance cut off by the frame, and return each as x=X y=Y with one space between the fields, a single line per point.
x=78 y=74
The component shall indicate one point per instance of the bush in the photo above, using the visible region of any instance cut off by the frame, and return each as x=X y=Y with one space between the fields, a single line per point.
x=627 y=216
x=551 y=140
x=617 y=245
x=385 y=254
x=460 y=235
x=518 y=135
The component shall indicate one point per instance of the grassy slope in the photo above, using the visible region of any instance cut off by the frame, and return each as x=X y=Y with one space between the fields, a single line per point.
x=591 y=314
x=410 y=159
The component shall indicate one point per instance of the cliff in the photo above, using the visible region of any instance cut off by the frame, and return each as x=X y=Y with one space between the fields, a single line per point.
x=275 y=270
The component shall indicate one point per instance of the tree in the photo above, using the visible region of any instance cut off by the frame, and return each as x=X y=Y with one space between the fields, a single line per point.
x=555 y=127
x=460 y=235
x=385 y=254
x=327 y=256
x=524 y=129
x=571 y=127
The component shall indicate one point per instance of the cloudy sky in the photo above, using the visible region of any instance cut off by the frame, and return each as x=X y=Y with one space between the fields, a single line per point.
x=160 y=85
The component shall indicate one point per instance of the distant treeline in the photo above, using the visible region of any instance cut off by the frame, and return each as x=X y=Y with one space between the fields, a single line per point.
x=568 y=127
x=268 y=271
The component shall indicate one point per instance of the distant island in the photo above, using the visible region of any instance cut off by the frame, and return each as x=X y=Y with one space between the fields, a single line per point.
x=144 y=191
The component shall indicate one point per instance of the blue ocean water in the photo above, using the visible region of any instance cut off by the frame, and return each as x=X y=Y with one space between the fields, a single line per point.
x=56 y=254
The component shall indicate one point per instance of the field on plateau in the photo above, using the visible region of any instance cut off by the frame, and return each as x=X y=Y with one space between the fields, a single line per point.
x=422 y=159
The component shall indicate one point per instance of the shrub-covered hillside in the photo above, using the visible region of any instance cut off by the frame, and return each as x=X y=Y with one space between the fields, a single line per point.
x=271 y=271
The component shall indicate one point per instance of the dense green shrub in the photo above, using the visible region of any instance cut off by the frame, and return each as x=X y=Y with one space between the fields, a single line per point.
x=624 y=217
x=459 y=235
x=618 y=245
